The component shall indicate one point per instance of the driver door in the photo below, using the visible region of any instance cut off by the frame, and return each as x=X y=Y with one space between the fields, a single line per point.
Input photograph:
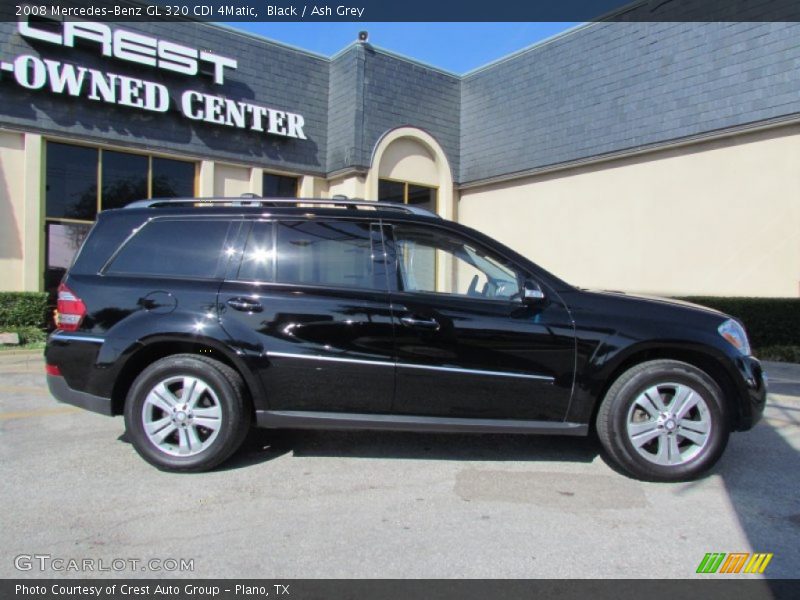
x=466 y=345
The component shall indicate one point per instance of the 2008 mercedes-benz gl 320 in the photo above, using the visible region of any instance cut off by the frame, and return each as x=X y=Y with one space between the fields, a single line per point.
x=197 y=318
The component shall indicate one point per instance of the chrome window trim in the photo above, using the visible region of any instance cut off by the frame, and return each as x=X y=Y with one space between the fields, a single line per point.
x=382 y=363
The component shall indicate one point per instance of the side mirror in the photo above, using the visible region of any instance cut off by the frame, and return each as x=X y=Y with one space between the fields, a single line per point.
x=532 y=292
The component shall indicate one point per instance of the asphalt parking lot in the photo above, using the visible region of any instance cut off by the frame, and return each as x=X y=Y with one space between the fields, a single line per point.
x=298 y=504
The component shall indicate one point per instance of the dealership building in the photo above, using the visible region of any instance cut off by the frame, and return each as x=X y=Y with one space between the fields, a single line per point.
x=647 y=157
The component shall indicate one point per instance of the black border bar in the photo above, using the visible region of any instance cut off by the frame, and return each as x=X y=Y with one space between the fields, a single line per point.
x=408 y=10
x=709 y=587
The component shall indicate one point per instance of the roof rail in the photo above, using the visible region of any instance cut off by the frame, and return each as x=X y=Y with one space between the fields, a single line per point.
x=255 y=201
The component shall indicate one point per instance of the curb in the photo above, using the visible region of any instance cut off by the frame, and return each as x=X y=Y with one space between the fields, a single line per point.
x=36 y=352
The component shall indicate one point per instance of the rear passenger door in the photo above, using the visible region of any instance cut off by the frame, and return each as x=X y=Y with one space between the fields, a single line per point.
x=308 y=303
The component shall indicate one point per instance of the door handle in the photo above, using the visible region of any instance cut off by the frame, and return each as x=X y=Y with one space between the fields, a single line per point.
x=423 y=323
x=245 y=304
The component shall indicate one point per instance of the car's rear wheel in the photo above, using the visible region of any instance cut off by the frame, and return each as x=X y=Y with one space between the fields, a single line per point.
x=664 y=420
x=187 y=413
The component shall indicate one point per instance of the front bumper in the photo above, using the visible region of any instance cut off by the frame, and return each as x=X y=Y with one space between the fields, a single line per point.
x=63 y=393
x=755 y=397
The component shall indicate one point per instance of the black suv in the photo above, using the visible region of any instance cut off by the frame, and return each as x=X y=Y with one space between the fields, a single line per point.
x=196 y=318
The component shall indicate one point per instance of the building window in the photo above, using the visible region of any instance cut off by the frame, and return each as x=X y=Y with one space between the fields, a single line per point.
x=279 y=186
x=80 y=181
x=124 y=178
x=172 y=178
x=75 y=173
x=71 y=188
x=404 y=192
x=63 y=240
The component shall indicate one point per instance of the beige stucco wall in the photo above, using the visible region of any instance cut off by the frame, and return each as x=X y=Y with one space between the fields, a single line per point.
x=351 y=186
x=21 y=189
x=311 y=187
x=12 y=198
x=720 y=218
x=231 y=181
x=406 y=159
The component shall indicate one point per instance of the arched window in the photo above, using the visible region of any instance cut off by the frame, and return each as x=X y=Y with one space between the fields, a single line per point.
x=409 y=167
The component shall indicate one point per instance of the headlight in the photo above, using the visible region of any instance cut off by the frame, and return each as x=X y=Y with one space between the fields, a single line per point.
x=732 y=331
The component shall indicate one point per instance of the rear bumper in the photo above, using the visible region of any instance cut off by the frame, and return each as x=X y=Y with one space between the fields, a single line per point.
x=63 y=393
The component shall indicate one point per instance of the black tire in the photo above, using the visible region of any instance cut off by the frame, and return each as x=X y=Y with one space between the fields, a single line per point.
x=622 y=406
x=226 y=396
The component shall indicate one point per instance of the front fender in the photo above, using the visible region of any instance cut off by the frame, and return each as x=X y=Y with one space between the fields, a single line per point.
x=603 y=367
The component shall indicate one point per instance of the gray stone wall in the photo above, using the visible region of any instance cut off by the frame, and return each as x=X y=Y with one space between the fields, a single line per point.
x=398 y=92
x=344 y=111
x=617 y=86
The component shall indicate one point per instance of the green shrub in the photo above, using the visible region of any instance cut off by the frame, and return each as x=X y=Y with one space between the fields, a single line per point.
x=22 y=309
x=779 y=353
x=770 y=322
x=28 y=335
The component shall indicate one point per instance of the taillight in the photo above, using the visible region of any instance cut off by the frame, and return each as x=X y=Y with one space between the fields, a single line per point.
x=52 y=370
x=71 y=309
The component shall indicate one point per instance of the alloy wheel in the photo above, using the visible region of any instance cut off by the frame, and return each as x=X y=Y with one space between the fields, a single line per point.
x=669 y=424
x=182 y=416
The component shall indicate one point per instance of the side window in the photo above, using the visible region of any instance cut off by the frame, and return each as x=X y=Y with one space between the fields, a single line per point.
x=332 y=253
x=173 y=248
x=431 y=260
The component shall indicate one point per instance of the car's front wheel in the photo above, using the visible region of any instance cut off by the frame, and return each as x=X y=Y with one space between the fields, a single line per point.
x=187 y=413
x=663 y=420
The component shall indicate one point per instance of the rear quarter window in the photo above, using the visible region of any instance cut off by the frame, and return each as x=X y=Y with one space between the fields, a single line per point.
x=174 y=248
